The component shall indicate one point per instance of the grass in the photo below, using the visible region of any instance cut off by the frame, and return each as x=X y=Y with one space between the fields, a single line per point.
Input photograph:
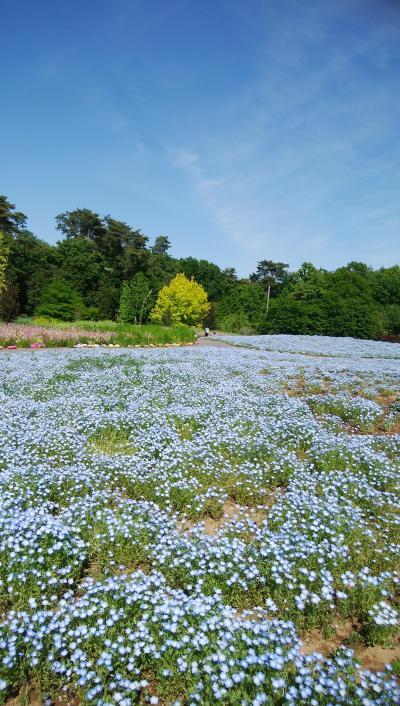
x=111 y=440
x=41 y=332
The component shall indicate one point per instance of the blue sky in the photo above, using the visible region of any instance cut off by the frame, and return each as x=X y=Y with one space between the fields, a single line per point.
x=243 y=130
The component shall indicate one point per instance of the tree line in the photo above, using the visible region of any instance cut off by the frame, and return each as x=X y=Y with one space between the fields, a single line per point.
x=102 y=268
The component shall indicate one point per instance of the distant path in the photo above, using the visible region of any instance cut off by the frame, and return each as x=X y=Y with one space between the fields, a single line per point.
x=212 y=342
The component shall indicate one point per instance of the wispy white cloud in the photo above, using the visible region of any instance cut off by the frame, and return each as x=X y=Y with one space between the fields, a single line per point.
x=299 y=151
x=185 y=160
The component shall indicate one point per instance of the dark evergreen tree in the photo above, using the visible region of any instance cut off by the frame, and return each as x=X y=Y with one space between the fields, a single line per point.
x=31 y=266
x=11 y=221
x=270 y=274
x=80 y=263
x=161 y=245
x=81 y=223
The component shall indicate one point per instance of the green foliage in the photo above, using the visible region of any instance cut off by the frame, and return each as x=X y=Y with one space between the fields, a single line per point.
x=307 y=283
x=207 y=274
x=10 y=220
x=115 y=237
x=9 y=305
x=136 y=300
x=110 y=269
x=159 y=270
x=32 y=264
x=161 y=245
x=81 y=223
x=270 y=274
x=241 y=309
x=182 y=301
x=81 y=264
x=108 y=297
x=386 y=285
x=314 y=301
x=4 y=253
x=290 y=315
x=60 y=301
x=391 y=319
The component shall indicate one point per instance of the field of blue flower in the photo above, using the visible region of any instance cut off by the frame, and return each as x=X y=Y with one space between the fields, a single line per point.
x=179 y=526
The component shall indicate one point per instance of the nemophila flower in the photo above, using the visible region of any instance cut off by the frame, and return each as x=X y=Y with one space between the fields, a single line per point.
x=250 y=510
x=383 y=614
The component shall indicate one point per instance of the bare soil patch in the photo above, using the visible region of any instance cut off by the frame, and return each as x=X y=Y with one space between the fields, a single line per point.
x=374 y=658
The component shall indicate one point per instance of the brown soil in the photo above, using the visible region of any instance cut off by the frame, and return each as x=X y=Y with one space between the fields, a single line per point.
x=374 y=658
x=301 y=388
x=386 y=400
x=231 y=510
x=29 y=695
x=314 y=641
x=212 y=526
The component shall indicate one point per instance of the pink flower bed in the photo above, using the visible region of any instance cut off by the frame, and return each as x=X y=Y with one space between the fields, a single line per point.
x=21 y=336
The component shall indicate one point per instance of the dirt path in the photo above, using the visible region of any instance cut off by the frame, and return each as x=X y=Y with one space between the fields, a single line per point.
x=212 y=342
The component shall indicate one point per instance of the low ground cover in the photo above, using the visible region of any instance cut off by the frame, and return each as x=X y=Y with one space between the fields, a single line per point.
x=46 y=333
x=200 y=526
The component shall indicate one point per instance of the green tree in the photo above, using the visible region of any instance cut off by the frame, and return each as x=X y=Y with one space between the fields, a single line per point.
x=117 y=240
x=159 y=270
x=350 y=316
x=205 y=273
x=136 y=254
x=9 y=305
x=182 y=301
x=385 y=284
x=288 y=314
x=136 y=300
x=108 y=296
x=117 y=237
x=230 y=277
x=242 y=308
x=81 y=264
x=336 y=303
x=31 y=267
x=307 y=283
x=81 y=223
x=270 y=274
x=391 y=314
x=161 y=245
x=11 y=221
x=60 y=301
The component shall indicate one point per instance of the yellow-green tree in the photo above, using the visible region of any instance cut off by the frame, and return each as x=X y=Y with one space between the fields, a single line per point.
x=3 y=261
x=182 y=301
